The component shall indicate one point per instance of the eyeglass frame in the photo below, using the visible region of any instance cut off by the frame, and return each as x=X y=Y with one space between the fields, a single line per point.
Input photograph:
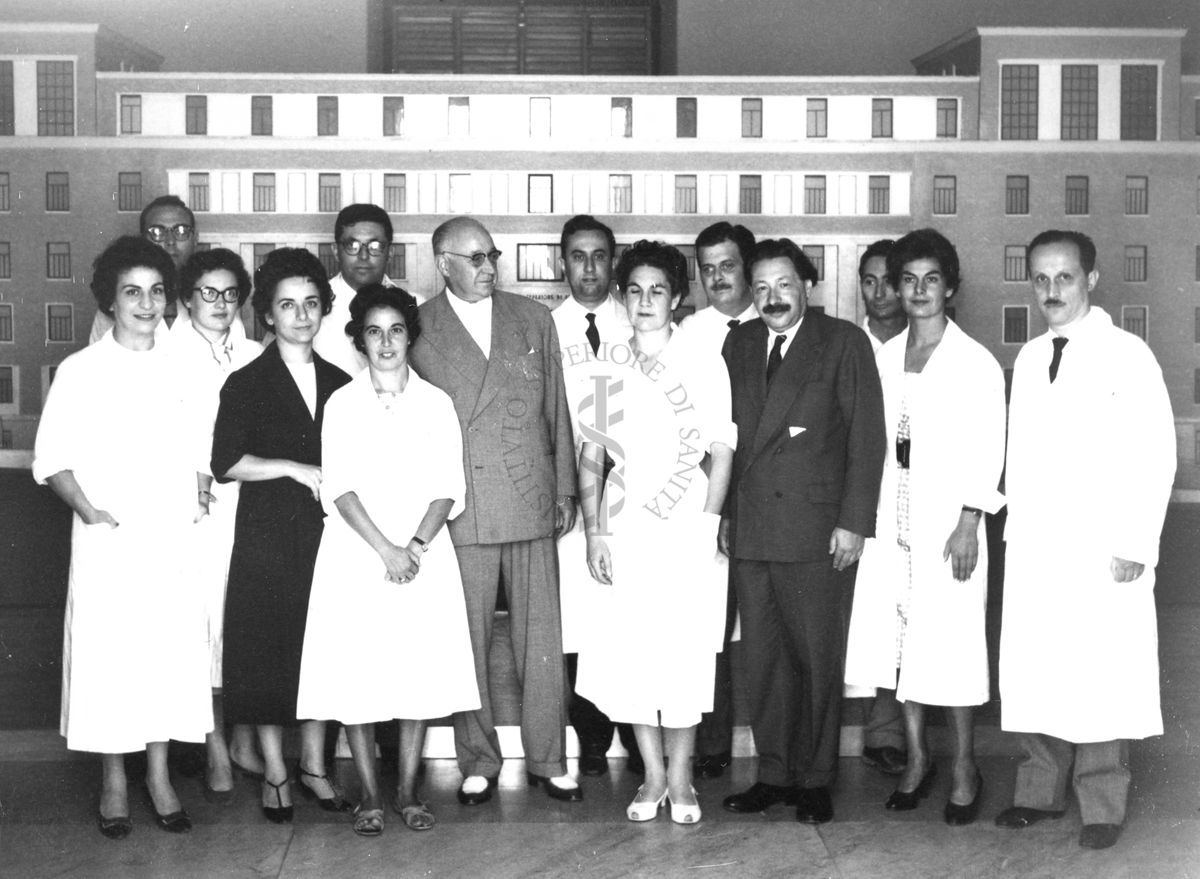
x=478 y=258
x=222 y=294
x=354 y=247
x=178 y=232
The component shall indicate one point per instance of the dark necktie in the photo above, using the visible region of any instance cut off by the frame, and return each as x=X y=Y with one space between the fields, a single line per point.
x=776 y=358
x=1059 y=342
x=593 y=334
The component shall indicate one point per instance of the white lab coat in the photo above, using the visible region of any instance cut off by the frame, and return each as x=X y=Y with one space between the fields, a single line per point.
x=1091 y=460
x=956 y=417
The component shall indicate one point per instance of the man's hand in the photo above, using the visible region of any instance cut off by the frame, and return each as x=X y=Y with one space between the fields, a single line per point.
x=564 y=516
x=1124 y=571
x=846 y=548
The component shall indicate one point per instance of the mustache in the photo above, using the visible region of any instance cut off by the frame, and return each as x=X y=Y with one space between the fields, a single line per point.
x=776 y=308
x=1053 y=302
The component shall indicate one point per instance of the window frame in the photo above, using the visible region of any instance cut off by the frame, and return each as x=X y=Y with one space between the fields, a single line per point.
x=879 y=197
x=691 y=196
x=1004 y=324
x=195 y=116
x=816 y=118
x=263 y=192
x=325 y=191
x=5 y=260
x=1136 y=263
x=938 y=195
x=529 y=192
x=1086 y=195
x=1016 y=195
x=1137 y=195
x=56 y=190
x=554 y=252
x=620 y=192
x=947 y=118
x=52 y=257
x=1145 y=321
x=129 y=114
x=1079 y=119
x=135 y=202
x=392 y=107
x=327 y=115
x=199 y=203
x=1019 y=101
x=814 y=193
x=389 y=190
x=262 y=116
x=752 y=118
x=687 y=117
x=620 y=126
x=68 y=321
x=1016 y=264
x=56 y=97
x=10 y=321
x=882 y=118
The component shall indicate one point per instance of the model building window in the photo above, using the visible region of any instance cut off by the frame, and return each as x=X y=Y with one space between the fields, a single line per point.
x=262 y=115
x=814 y=193
x=393 y=116
x=60 y=323
x=1137 y=195
x=1135 y=263
x=264 y=192
x=685 y=194
x=58 y=260
x=327 y=116
x=1139 y=102
x=395 y=193
x=752 y=117
x=1016 y=324
x=198 y=191
x=945 y=194
x=329 y=192
x=685 y=117
x=56 y=98
x=817 y=117
x=1016 y=194
x=750 y=194
x=1019 y=102
x=131 y=114
x=947 y=117
x=129 y=191
x=879 y=194
x=1080 y=101
x=541 y=193
x=196 y=115
x=1016 y=266
x=622 y=117
x=58 y=191
x=620 y=193
x=1077 y=195
x=881 y=117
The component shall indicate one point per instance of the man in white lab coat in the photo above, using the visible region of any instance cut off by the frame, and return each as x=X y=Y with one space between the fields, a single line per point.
x=1091 y=459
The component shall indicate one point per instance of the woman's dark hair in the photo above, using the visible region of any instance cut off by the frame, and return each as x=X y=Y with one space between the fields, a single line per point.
x=378 y=296
x=924 y=244
x=657 y=255
x=284 y=263
x=204 y=261
x=129 y=252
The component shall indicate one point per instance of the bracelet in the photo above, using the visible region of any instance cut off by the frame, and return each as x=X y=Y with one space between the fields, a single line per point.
x=204 y=495
x=421 y=543
x=975 y=510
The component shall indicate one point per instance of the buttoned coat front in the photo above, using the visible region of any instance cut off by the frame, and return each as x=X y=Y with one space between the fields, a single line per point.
x=518 y=452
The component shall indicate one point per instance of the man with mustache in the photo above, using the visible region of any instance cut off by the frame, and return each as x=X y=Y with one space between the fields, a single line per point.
x=809 y=412
x=1091 y=459
x=723 y=257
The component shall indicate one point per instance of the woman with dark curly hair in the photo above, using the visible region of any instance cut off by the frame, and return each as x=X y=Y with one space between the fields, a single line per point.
x=115 y=444
x=268 y=437
x=386 y=572
x=651 y=522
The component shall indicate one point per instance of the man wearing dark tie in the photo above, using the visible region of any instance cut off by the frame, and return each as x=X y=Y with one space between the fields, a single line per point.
x=589 y=320
x=809 y=412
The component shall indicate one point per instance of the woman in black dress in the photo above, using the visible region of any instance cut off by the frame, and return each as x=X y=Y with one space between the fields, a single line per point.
x=268 y=435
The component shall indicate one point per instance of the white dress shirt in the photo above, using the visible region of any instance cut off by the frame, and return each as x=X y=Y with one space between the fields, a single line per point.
x=570 y=322
x=708 y=327
x=477 y=318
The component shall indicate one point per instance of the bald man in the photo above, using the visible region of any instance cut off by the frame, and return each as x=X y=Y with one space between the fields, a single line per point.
x=496 y=354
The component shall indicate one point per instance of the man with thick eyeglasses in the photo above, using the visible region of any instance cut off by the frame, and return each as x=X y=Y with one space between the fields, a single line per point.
x=497 y=355
x=171 y=225
x=362 y=236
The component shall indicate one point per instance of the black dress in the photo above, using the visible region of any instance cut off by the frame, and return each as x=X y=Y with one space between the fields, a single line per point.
x=276 y=536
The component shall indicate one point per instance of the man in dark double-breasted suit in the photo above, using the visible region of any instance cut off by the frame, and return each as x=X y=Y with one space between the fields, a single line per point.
x=809 y=412
x=497 y=355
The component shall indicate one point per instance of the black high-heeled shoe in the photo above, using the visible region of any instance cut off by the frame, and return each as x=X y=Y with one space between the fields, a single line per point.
x=173 y=822
x=277 y=814
x=906 y=801
x=959 y=816
x=335 y=803
x=117 y=827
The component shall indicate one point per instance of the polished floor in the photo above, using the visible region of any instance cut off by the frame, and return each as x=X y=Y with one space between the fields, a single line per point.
x=48 y=830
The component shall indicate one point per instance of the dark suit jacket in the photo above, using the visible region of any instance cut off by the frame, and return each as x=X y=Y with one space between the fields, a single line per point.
x=518 y=452
x=810 y=451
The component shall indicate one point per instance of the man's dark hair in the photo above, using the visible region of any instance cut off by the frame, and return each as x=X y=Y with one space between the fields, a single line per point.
x=204 y=261
x=924 y=244
x=655 y=254
x=585 y=223
x=878 y=248
x=284 y=263
x=129 y=252
x=1084 y=244
x=723 y=231
x=165 y=201
x=361 y=213
x=784 y=248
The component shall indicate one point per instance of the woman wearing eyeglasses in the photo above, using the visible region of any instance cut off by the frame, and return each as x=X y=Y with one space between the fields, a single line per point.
x=920 y=598
x=268 y=437
x=116 y=444
x=208 y=342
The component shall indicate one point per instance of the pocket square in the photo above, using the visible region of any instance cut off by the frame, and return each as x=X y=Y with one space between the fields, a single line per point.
x=794 y=432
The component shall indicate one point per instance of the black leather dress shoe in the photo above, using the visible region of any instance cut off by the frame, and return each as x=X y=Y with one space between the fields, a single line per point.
x=960 y=816
x=593 y=764
x=888 y=760
x=712 y=765
x=902 y=801
x=760 y=797
x=479 y=798
x=635 y=763
x=566 y=794
x=814 y=805
x=1098 y=836
x=1020 y=817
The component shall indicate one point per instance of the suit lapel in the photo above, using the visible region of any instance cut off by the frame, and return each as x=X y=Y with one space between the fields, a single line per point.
x=447 y=334
x=326 y=385
x=508 y=343
x=802 y=356
x=285 y=386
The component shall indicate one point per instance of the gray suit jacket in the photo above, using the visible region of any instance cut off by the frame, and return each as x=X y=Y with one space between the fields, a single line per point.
x=518 y=452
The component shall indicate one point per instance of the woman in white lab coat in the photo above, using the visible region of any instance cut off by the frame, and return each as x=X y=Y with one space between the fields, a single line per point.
x=921 y=594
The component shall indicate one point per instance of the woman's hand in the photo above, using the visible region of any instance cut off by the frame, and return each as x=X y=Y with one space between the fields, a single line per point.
x=401 y=563
x=100 y=516
x=963 y=547
x=307 y=475
x=203 y=499
x=599 y=560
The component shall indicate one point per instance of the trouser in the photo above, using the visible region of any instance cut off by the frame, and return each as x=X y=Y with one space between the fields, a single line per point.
x=885 y=722
x=1100 y=776
x=714 y=735
x=794 y=620
x=592 y=726
x=529 y=570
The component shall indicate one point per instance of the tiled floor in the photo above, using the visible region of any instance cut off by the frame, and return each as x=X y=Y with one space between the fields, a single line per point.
x=48 y=829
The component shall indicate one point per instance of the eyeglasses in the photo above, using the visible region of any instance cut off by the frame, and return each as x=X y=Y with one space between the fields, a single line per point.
x=478 y=258
x=211 y=294
x=353 y=247
x=178 y=232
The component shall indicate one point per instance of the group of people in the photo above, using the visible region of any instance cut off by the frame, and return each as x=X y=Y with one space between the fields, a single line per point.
x=643 y=492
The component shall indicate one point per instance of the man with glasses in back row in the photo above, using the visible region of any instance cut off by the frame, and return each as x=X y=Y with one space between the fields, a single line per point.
x=170 y=224
x=497 y=355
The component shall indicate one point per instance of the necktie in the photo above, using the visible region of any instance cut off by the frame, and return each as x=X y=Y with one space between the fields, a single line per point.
x=593 y=334
x=1059 y=343
x=776 y=358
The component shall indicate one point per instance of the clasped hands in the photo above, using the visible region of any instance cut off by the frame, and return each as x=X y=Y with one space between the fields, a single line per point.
x=402 y=564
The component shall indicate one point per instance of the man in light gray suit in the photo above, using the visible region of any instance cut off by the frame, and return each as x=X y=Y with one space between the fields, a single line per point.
x=497 y=355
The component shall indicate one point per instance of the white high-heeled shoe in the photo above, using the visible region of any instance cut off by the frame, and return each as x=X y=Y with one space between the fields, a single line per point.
x=644 y=810
x=682 y=813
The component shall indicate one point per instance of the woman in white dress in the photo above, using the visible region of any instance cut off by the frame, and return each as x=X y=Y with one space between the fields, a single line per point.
x=661 y=412
x=117 y=444
x=208 y=342
x=386 y=583
x=920 y=598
